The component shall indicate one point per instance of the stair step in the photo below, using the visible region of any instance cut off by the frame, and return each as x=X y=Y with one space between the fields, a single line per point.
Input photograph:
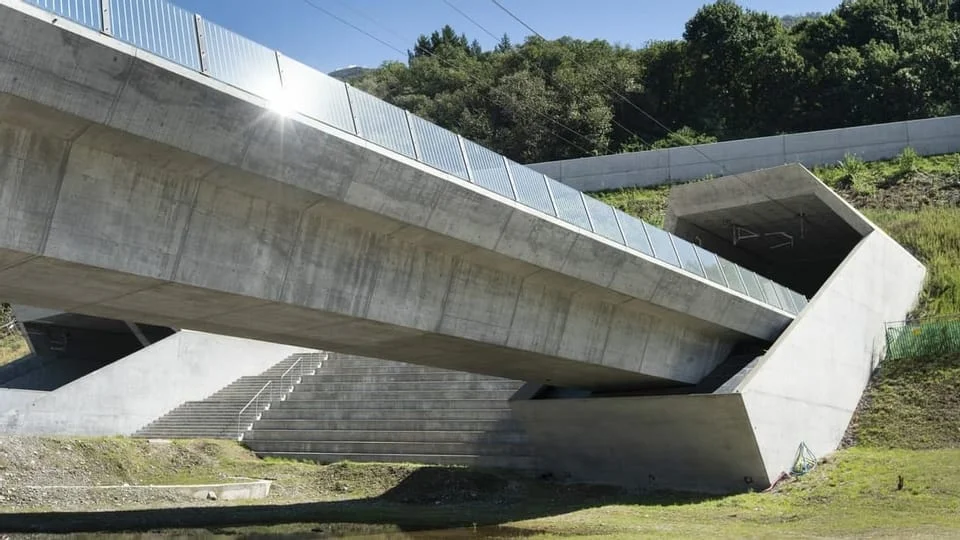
x=401 y=395
x=323 y=405
x=386 y=447
x=277 y=413
x=477 y=461
x=260 y=433
x=395 y=386
x=269 y=423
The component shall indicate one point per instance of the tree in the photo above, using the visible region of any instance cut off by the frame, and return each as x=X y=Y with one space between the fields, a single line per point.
x=736 y=73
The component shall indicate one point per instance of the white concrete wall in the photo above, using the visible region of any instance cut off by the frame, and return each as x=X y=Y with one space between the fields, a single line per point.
x=809 y=383
x=14 y=398
x=133 y=391
x=875 y=142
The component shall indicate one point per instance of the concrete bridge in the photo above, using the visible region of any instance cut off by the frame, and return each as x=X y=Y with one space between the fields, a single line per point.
x=154 y=178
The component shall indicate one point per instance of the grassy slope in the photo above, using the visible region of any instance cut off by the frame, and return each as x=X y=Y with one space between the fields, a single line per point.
x=852 y=494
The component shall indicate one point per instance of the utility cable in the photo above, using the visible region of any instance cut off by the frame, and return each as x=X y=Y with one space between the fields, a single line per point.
x=564 y=85
x=474 y=78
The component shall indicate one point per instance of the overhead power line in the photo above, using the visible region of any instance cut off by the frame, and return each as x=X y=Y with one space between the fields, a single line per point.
x=471 y=19
x=336 y=17
x=571 y=90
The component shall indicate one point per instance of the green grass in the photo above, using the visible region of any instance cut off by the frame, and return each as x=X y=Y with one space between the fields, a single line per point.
x=912 y=403
x=933 y=236
x=853 y=494
x=649 y=204
x=12 y=347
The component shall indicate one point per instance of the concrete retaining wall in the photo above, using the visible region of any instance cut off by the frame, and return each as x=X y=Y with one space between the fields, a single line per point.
x=875 y=142
x=133 y=391
x=13 y=398
x=807 y=386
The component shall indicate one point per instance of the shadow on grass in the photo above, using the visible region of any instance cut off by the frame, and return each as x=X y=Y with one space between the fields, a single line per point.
x=430 y=499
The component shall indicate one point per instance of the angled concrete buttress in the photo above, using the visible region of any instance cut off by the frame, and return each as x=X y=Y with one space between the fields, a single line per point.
x=745 y=429
x=135 y=188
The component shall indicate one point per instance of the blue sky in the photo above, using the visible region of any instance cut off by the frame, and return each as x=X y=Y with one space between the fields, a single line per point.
x=308 y=35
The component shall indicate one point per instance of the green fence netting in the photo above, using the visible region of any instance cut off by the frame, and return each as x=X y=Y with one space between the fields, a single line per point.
x=926 y=337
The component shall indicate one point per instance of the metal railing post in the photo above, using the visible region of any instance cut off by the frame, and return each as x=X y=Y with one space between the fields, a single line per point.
x=623 y=236
x=553 y=200
x=513 y=184
x=353 y=112
x=413 y=137
x=202 y=44
x=106 y=24
x=583 y=201
x=466 y=162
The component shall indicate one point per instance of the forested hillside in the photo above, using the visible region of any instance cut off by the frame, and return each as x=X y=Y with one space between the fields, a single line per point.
x=736 y=73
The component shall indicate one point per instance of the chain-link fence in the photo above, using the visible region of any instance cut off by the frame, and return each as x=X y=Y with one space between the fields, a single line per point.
x=927 y=337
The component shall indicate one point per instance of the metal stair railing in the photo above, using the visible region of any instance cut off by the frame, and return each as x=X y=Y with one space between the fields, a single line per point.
x=261 y=402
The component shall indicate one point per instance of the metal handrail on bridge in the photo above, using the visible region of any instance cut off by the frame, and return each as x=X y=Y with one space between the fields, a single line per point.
x=256 y=400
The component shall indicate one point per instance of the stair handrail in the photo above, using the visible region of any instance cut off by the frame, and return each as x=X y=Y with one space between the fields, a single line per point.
x=255 y=399
x=285 y=388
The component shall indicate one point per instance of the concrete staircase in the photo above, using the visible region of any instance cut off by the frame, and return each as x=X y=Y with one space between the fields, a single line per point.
x=364 y=409
x=218 y=416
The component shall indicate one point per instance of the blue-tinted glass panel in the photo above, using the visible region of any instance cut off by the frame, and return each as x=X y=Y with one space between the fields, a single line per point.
x=381 y=122
x=241 y=62
x=439 y=147
x=688 y=256
x=604 y=220
x=634 y=233
x=711 y=266
x=316 y=94
x=570 y=206
x=769 y=291
x=753 y=285
x=786 y=299
x=85 y=12
x=531 y=188
x=799 y=300
x=159 y=27
x=488 y=169
x=732 y=273
x=662 y=246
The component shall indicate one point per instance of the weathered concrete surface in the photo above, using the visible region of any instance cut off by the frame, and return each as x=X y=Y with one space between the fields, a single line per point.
x=687 y=442
x=15 y=398
x=804 y=389
x=874 y=142
x=122 y=397
x=795 y=230
x=807 y=386
x=180 y=201
x=241 y=490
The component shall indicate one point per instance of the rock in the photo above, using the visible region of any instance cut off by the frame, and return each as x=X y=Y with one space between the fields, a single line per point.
x=211 y=496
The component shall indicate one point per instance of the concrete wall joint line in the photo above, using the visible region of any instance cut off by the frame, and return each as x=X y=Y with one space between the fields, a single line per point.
x=61 y=175
x=181 y=244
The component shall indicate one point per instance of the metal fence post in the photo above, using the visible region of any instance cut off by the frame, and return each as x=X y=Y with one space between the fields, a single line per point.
x=553 y=201
x=202 y=44
x=513 y=184
x=106 y=25
x=466 y=162
x=413 y=138
x=586 y=211
x=353 y=112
